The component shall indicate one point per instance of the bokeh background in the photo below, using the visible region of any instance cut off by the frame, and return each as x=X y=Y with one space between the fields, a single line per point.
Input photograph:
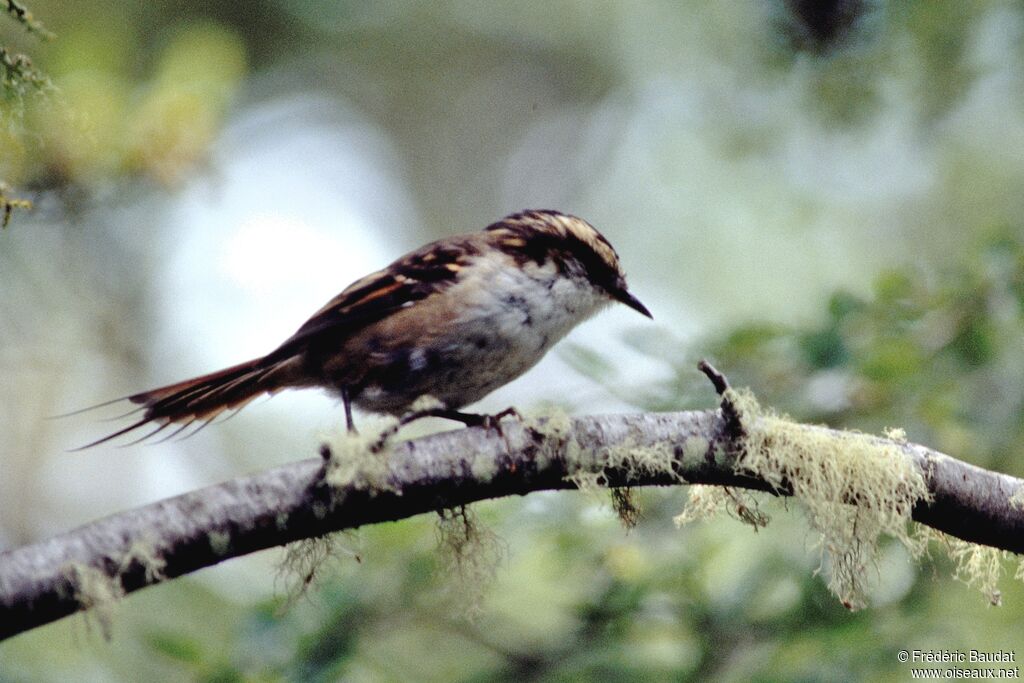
x=824 y=198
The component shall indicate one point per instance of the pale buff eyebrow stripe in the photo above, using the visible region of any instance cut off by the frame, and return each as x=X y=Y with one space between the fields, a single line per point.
x=572 y=225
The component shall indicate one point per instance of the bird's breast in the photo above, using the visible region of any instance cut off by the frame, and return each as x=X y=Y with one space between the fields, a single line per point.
x=501 y=321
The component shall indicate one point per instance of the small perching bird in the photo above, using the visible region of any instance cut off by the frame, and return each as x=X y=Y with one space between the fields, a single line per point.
x=455 y=319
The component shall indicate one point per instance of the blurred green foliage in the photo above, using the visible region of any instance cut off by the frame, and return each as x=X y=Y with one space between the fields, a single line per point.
x=937 y=353
x=143 y=90
x=103 y=118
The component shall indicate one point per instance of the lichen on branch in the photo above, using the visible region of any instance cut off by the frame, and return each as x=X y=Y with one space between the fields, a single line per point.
x=470 y=554
x=24 y=16
x=8 y=204
x=856 y=489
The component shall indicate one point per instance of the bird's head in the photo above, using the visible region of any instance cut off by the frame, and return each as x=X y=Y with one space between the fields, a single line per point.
x=575 y=246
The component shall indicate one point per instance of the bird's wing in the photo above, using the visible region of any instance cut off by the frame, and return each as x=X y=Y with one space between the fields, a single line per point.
x=410 y=279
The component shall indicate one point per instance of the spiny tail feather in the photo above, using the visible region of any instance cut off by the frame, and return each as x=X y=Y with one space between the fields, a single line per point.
x=203 y=399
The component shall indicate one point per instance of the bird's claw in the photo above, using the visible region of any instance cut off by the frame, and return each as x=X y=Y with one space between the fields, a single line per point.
x=493 y=422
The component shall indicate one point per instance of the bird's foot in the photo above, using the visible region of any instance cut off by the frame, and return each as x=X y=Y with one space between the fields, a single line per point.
x=488 y=422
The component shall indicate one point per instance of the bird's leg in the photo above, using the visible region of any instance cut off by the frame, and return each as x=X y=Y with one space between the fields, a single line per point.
x=348 y=411
x=488 y=422
x=469 y=419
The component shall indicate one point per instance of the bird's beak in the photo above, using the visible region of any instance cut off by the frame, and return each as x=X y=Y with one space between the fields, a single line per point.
x=623 y=295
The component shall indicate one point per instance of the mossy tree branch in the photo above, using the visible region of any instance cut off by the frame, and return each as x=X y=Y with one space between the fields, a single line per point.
x=17 y=74
x=9 y=204
x=24 y=16
x=41 y=583
x=18 y=77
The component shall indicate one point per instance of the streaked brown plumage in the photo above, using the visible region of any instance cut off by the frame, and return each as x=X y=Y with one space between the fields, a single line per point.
x=455 y=319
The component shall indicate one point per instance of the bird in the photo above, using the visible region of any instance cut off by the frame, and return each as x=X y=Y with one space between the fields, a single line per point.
x=453 y=320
